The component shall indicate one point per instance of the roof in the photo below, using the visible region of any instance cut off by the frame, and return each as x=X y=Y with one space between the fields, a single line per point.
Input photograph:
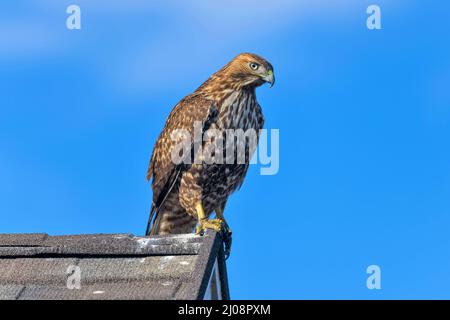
x=112 y=266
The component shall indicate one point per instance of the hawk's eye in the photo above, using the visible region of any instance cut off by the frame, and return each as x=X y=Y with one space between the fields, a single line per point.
x=254 y=65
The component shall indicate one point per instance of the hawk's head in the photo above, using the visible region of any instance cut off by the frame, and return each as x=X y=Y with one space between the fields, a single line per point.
x=250 y=69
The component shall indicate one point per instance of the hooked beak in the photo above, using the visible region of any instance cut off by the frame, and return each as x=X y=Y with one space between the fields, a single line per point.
x=269 y=78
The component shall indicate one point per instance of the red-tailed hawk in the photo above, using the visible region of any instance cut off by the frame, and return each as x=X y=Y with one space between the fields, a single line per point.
x=185 y=194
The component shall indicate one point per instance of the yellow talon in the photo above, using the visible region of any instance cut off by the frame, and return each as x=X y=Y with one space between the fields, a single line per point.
x=219 y=215
x=213 y=224
x=204 y=223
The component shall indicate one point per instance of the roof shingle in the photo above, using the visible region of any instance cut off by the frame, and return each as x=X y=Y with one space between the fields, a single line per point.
x=111 y=266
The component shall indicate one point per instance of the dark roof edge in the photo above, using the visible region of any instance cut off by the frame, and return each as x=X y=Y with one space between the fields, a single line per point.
x=223 y=274
x=211 y=250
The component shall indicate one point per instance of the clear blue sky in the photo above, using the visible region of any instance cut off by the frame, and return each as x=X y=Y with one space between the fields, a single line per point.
x=364 y=120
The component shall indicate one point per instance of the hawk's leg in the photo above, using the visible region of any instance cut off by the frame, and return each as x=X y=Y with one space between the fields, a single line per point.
x=205 y=223
x=226 y=233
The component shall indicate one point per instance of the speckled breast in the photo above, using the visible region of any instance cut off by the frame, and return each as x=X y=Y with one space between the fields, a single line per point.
x=238 y=111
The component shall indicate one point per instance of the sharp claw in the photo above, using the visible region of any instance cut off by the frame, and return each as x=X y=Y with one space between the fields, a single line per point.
x=227 y=240
x=199 y=231
x=213 y=224
x=227 y=249
x=219 y=226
